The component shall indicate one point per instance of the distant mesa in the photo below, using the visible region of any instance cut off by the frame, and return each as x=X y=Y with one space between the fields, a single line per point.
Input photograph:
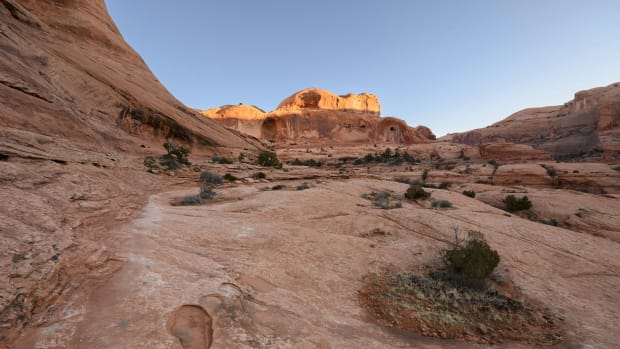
x=589 y=125
x=316 y=115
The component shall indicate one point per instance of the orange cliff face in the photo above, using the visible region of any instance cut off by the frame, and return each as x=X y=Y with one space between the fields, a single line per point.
x=66 y=66
x=315 y=115
x=589 y=125
x=317 y=99
x=79 y=110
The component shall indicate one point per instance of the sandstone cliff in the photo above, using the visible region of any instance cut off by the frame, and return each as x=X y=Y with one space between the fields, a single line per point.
x=587 y=125
x=79 y=109
x=314 y=115
x=314 y=98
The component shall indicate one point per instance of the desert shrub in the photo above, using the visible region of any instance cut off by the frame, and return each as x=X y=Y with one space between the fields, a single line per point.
x=176 y=154
x=278 y=187
x=207 y=181
x=416 y=192
x=208 y=194
x=471 y=262
x=517 y=204
x=259 y=175
x=470 y=193
x=551 y=172
x=211 y=178
x=151 y=162
x=444 y=185
x=303 y=186
x=441 y=204
x=388 y=157
x=191 y=200
x=309 y=163
x=268 y=158
x=425 y=175
x=383 y=199
x=552 y=221
x=225 y=161
x=229 y=177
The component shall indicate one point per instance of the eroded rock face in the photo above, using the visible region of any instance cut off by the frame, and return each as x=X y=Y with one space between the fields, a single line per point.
x=589 y=124
x=315 y=115
x=512 y=152
x=66 y=72
x=314 y=98
x=79 y=109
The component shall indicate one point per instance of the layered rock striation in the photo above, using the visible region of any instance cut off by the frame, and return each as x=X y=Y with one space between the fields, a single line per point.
x=587 y=125
x=79 y=110
x=315 y=115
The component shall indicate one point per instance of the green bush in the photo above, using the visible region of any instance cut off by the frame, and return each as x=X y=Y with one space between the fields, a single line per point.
x=278 y=187
x=229 y=177
x=177 y=156
x=268 y=158
x=470 y=263
x=259 y=175
x=225 y=161
x=514 y=204
x=470 y=193
x=416 y=192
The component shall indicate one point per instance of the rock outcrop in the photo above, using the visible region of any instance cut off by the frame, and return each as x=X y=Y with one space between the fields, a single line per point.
x=314 y=116
x=314 y=98
x=512 y=152
x=587 y=125
x=66 y=72
x=79 y=110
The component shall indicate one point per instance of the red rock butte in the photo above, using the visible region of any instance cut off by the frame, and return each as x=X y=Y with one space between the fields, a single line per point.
x=315 y=115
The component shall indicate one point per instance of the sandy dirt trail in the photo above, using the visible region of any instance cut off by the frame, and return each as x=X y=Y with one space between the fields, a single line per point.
x=281 y=269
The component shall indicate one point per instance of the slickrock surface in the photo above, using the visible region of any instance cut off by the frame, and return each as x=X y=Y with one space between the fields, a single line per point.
x=94 y=255
x=79 y=110
x=265 y=269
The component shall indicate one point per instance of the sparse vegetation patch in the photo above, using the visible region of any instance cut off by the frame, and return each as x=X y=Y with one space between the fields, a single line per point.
x=176 y=157
x=452 y=301
x=268 y=159
x=517 y=204
x=387 y=157
x=383 y=200
x=259 y=175
x=416 y=192
x=470 y=193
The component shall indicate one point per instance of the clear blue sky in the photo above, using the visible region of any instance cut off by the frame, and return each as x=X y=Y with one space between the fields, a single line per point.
x=451 y=65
